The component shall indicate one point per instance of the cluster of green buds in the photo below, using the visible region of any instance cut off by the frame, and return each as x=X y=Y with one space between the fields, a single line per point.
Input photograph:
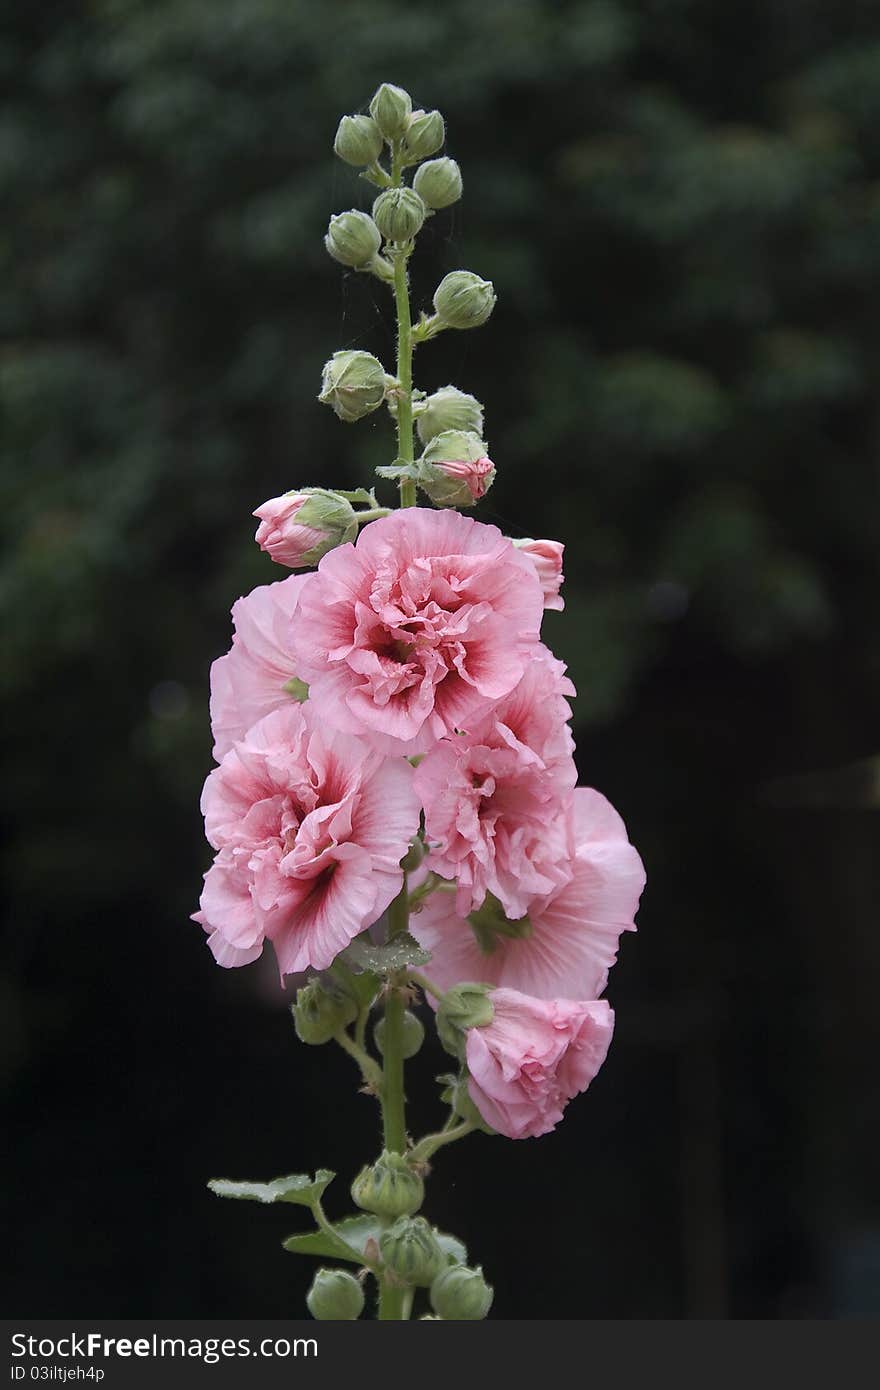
x=454 y=470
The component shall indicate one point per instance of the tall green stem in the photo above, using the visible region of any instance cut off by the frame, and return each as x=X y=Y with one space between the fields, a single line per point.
x=400 y=257
x=393 y=1104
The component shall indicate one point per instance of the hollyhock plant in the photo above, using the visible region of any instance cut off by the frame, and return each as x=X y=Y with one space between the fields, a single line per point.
x=424 y=623
x=546 y=556
x=310 y=830
x=395 y=807
x=569 y=939
x=257 y=674
x=530 y=1057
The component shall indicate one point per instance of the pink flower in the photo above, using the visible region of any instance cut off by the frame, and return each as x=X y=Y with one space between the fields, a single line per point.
x=280 y=535
x=477 y=476
x=310 y=828
x=249 y=681
x=568 y=941
x=533 y=1058
x=496 y=796
x=546 y=556
x=425 y=622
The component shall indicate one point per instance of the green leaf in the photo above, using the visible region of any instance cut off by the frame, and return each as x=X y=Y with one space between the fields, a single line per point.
x=364 y=954
x=298 y=1188
x=354 y=1230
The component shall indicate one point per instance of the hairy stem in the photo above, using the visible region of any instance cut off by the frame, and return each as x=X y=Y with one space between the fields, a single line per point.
x=400 y=256
x=431 y=1142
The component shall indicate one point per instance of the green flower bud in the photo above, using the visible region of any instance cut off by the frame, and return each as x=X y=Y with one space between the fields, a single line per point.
x=391 y=109
x=335 y=1296
x=353 y=238
x=463 y=300
x=319 y=1013
x=438 y=183
x=413 y=1034
x=461 y=1294
x=424 y=134
x=410 y=1249
x=358 y=140
x=462 y=1007
x=454 y=469
x=399 y=214
x=449 y=409
x=389 y=1187
x=353 y=383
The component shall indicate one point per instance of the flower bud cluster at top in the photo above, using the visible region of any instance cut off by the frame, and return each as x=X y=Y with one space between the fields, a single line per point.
x=454 y=469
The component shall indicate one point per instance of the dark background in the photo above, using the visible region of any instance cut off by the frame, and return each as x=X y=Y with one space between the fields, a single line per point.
x=679 y=204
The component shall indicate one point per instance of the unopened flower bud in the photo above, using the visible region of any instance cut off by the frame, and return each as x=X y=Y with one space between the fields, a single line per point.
x=411 y=1250
x=391 y=109
x=413 y=1034
x=353 y=238
x=438 y=182
x=335 y=1296
x=389 y=1187
x=353 y=383
x=399 y=214
x=546 y=556
x=424 y=135
x=319 y=1013
x=358 y=140
x=462 y=1007
x=300 y=527
x=449 y=409
x=461 y=1294
x=454 y=470
x=463 y=300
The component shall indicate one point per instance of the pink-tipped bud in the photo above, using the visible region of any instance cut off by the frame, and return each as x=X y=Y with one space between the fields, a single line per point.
x=300 y=527
x=454 y=470
x=546 y=556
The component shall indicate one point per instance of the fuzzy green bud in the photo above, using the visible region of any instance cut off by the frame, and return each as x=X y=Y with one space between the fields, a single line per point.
x=424 y=135
x=449 y=409
x=399 y=214
x=391 y=109
x=335 y=1296
x=353 y=238
x=413 y=1034
x=353 y=383
x=411 y=1250
x=389 y=1187
x=461 y=1294
x=320 y=1013
x=358 y=140
x=463 y=300
x=462 y=1007
x=438 y=183
x=454 y=469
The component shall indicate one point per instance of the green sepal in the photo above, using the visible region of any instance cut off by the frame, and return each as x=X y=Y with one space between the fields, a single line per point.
x=355 y=1232
x=298 y=1188
x=359 y=494
x=404 y=950
x=395 y=471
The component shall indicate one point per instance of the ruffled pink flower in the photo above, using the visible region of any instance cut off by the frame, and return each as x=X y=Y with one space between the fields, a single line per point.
x=425 y=622
x=310 y=828
x=546 y=556
x=533 y=1058
x=477 y=476
x=496 y=796
x=568 y=942
x=281 y=536
x=248 y=682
